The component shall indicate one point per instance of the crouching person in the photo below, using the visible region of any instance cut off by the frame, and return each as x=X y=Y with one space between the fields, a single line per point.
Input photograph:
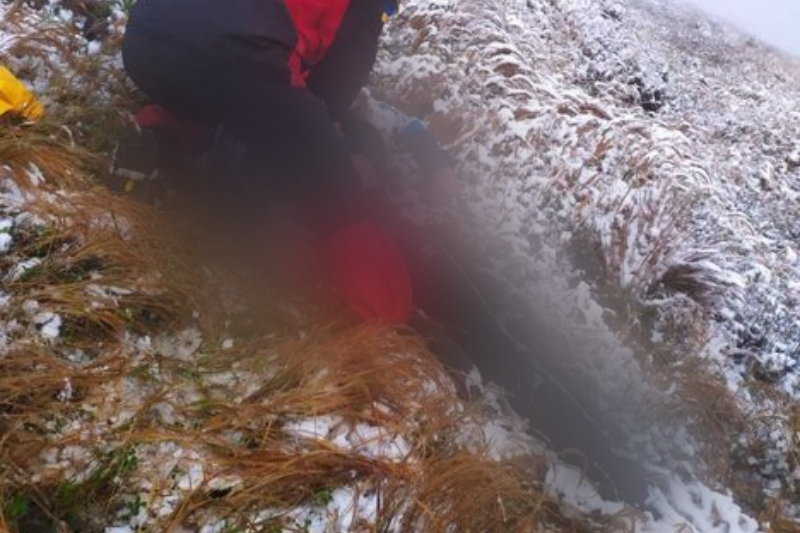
x=279 y=75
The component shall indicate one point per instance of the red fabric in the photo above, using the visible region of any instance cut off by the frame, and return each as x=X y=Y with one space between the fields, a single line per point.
x=374 y=277
x=316 y=23
x=156 y=117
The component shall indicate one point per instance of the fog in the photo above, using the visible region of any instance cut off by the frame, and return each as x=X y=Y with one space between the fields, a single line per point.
x=773 y=21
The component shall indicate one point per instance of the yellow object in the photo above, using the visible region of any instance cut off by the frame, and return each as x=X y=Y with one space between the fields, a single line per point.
x=129 y=186
x=15 y=98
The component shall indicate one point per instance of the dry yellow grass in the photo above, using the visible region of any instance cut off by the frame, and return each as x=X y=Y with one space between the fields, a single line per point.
x=360 y=375
x=339 y=371
x=51 y=151
x=92 y=237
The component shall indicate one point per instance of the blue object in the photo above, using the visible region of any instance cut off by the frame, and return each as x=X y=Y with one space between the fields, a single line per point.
x=415 y=126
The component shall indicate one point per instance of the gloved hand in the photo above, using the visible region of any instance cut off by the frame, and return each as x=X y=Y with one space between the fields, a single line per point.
x=373 y=275
x=437 y=168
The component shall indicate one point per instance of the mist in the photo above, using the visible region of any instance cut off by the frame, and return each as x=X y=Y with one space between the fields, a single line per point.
x=773 y=21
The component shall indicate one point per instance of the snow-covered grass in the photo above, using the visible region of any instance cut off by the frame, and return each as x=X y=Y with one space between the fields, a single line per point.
x=134 y=398
x=135 y=395
x=640 y=159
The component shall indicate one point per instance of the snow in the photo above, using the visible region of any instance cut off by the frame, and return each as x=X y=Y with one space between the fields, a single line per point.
x=378 y=442
x=35 y=175
x=317 y=428
x=193 y=479
x=560 y=156
x=120 y=529
x=19 y=270
x=183 y=345
x=67 y=392
x=49 y=325
x=350 y=508
x=5 y=235
x=701 y=509
x=362 y=439
x=570 y=484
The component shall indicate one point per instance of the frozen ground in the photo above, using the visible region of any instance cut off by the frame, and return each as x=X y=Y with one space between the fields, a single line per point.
x=647 y=158
x=642 y=160
x=552 y=94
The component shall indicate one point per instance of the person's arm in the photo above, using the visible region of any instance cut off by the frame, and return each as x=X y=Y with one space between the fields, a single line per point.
x=430 y=157
x=315 y=159
x=435 y=175
x=348 y=63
